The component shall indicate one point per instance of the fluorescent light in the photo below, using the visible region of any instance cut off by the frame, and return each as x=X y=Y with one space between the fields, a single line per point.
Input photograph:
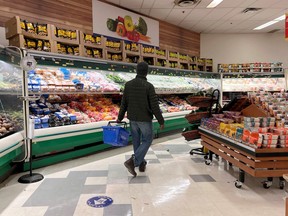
x=214 y=3
x=270 y=23
x=280 y=18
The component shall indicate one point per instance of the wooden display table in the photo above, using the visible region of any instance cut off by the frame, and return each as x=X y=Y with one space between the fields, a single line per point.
x=266 y=162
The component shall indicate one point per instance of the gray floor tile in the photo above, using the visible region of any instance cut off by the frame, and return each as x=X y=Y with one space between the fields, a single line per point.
x=202 y=178
x=178 y=148
x=198 y=160
x=150 y=161
x=164 y=156
x=139 y=180
x=94 y=189
x=118 y=210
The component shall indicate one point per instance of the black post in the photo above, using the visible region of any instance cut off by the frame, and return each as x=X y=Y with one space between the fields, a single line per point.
x=31 y=177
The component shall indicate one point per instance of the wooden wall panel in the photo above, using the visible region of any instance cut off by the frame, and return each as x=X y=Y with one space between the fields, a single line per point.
x=77 y=14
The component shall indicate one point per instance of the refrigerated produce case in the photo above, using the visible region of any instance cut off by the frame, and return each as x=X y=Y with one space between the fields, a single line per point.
x=11 y=111
x=89 y=91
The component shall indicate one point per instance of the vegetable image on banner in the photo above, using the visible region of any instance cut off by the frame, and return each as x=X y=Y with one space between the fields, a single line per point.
x=115 y=22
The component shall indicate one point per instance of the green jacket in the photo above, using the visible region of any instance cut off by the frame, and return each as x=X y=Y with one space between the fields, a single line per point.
x=140 y=101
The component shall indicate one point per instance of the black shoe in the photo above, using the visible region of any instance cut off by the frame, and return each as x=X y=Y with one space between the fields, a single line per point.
x=129 y=164
x=142 y=166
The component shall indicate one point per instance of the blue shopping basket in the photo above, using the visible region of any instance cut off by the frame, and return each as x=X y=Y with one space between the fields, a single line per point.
x=116 y=135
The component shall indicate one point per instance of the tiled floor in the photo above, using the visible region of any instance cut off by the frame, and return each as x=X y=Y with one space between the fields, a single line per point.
x=175 y=183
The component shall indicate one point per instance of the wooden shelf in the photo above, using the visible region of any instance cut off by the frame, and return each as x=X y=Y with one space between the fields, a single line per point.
x=17 y=37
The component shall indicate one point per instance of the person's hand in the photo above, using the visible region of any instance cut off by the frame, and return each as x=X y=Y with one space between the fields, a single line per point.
x=162 y=127
x=118 y=121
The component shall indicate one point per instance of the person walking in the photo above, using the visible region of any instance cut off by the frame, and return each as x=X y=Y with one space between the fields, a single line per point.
x=141 y=103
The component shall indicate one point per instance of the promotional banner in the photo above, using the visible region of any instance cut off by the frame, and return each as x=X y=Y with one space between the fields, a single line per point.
x=286 y=26
x=118 y=23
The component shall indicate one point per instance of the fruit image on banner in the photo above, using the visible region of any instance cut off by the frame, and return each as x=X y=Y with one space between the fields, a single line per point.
x=127 y=29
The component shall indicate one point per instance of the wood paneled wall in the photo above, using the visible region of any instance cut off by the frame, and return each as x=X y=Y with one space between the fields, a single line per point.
x=78 y=14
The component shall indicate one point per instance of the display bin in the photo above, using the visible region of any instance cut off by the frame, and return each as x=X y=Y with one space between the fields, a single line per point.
x=196 y=116
x=116 y=135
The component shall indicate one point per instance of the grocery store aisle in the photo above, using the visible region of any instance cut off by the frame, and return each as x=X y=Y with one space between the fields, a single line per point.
x=175 y=183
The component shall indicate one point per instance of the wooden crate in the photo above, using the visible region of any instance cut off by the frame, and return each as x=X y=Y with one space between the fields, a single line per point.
x=65 y=40
x=13 y=28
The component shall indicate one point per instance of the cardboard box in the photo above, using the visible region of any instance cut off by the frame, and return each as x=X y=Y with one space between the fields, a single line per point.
x=254 y=111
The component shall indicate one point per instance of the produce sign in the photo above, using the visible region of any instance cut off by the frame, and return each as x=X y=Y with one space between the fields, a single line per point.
x=125 y=25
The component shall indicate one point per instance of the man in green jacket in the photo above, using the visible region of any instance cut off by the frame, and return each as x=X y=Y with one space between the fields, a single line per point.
x=141 y=103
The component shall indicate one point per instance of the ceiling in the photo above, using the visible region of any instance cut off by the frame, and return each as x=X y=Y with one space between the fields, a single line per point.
x=227 y=17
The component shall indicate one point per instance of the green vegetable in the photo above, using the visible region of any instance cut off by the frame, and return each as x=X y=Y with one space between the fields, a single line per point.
x=142 y=26
x=111 y=24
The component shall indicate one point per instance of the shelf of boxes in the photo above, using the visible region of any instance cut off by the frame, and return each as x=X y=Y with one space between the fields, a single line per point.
x=251 y=67
x=28 y=34
x=147 y=54
x=113 y=49
x=131 y=52
x=208 y=65
x=74 y=42
x=92 y=45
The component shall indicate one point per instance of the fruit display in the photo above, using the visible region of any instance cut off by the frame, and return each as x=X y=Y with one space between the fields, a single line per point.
x=125 y=28
x=182 y=84
x=11 y=78
x=60 y=110
x=69 y=80
x=10 y=123
x=174 y=104
x=253 y=84
x=256 y=132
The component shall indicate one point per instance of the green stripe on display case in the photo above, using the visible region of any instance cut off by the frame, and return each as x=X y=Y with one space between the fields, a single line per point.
x=7 y=164
x=51 y=149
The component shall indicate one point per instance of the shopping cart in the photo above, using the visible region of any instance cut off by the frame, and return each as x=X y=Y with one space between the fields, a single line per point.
x=116 y=135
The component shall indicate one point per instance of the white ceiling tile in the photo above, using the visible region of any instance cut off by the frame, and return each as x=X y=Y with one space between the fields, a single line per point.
x=263 y=3
x=131 y=4
x=197 y=14
x=234 y=12
x=246 y=3
x=145 y=11
x=148 y=3
x=160 y=13
x=188 y=24
x=177 y=14
x=280 y=4
x=163 y=4
x=266 y=14
x=230 y=4
x=217 y=14
x=216 y=20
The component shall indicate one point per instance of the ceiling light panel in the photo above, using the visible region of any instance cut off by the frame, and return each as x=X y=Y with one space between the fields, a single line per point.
x=265 y=25
x=214 y=3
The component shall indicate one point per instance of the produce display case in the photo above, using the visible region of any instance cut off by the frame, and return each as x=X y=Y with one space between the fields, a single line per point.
x=238 y=83
x=11 y=111
x=83 y=87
